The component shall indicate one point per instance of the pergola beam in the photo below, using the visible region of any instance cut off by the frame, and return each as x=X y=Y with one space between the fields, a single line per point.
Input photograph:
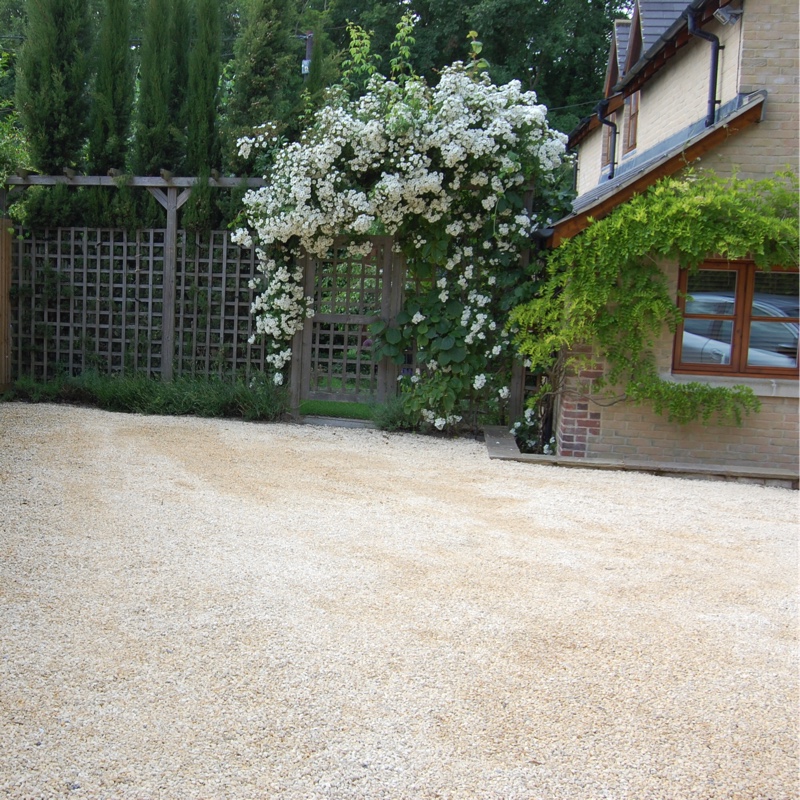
x=123 y=180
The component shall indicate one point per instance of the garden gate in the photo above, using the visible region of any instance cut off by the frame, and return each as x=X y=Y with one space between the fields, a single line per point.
x=332 y=355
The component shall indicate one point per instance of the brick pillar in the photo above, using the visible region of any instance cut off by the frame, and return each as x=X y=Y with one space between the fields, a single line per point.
x=578 y=419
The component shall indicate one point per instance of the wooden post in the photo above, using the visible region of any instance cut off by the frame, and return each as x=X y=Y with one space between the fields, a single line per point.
x=5 y=302
x=171 y=201
x=516 y=398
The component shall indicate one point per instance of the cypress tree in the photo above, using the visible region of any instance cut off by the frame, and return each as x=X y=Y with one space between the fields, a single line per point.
x=52 y=76
x=202 y=143
x=113 y=94
x=180 y=29
x=267 y=59
x=163 y=71
x=315 y=83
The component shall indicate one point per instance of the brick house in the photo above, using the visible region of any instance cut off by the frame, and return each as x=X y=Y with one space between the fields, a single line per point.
x=717 y=81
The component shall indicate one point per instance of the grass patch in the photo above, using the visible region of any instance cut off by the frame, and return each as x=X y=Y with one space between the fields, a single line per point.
x=335 y=408
x=137 y=394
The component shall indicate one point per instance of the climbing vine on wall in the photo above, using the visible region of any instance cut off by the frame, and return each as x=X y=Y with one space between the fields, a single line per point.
x=606 y=289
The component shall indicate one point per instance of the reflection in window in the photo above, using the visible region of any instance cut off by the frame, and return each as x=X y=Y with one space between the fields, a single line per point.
x=739 y=320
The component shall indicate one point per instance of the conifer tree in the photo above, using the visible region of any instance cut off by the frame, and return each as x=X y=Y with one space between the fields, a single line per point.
x=113 y=93
x=202 y=143
x=160 y=136
x=315 y=82
x=52 y=76
x=153 y=137
x=180 y=29
x=267 y=60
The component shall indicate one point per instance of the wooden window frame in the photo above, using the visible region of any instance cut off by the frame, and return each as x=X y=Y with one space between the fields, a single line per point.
x=631 y=122
x=742 y=317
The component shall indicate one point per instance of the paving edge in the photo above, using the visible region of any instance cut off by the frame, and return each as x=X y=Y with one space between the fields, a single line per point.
x=501 y=445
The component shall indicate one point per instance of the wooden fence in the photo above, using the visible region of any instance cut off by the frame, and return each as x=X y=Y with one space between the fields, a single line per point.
x=99 y=298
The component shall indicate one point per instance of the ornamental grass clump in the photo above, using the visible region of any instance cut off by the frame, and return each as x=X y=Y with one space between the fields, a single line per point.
x=442 y=169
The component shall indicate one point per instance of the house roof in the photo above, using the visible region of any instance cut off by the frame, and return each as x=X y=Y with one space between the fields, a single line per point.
x=615 y=68
x=622 y=31
x=687 y=148
x=658 y=29
x=657 y=16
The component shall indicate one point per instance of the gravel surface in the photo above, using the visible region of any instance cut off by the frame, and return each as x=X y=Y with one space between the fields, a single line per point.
x=216 y=609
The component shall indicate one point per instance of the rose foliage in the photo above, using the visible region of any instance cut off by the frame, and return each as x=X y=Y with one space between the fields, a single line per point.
x=445 y=170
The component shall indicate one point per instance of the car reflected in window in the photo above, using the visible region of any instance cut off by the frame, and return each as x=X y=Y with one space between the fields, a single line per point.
x=707 y=340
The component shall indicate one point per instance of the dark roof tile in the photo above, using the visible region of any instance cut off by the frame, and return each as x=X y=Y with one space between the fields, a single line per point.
x=622 y=32
x=656 y=18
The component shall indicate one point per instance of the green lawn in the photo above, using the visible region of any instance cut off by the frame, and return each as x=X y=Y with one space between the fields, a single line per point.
x=335 y=408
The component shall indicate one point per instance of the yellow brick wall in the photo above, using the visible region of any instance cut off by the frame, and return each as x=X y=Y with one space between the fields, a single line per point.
x=589 y=161
x=678 y=95
x=769 y=60
x=767 y=439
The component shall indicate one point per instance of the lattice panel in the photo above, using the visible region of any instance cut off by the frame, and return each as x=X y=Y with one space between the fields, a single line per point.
x=341 y=362
x=89 y=298
x=349 y=294
x=213 y=299
x=85 y=298
x=349 y=287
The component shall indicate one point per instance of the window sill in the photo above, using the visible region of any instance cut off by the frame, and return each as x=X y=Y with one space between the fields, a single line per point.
x=762 y=387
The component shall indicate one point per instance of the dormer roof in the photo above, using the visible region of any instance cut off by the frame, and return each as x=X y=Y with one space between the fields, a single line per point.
x=656 y=18
x=616 y=59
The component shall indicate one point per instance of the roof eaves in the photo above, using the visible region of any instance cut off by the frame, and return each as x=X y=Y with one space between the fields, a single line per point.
x=668 y=163
x=666 y=38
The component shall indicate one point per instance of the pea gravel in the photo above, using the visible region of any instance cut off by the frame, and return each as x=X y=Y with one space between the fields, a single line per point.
x=215 y=609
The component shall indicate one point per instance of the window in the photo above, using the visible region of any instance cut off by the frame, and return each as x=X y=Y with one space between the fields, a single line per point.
x=607 y=155
x=738 y=321
x=631 y=122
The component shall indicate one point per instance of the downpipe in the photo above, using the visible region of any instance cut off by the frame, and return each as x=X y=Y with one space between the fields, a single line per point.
x=695 y=30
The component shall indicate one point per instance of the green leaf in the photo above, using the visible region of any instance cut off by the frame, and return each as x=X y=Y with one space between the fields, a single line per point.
x=446 y=343
x=377 y=327
x=393 y=336
x=454 y=309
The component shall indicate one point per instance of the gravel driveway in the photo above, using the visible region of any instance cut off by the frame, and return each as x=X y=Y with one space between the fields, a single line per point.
x=216 y=609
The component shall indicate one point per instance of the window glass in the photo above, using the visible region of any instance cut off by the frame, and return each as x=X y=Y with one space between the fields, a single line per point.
x=711 y=292
x=773 y=338
x=707 y=341
x=772 y=344
x=776 y=294
x=739 y=320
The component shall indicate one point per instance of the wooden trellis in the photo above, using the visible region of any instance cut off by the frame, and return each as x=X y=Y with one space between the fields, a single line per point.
x=332 y=358
x=95 y=298
x=157 y=301
x=166 y=303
